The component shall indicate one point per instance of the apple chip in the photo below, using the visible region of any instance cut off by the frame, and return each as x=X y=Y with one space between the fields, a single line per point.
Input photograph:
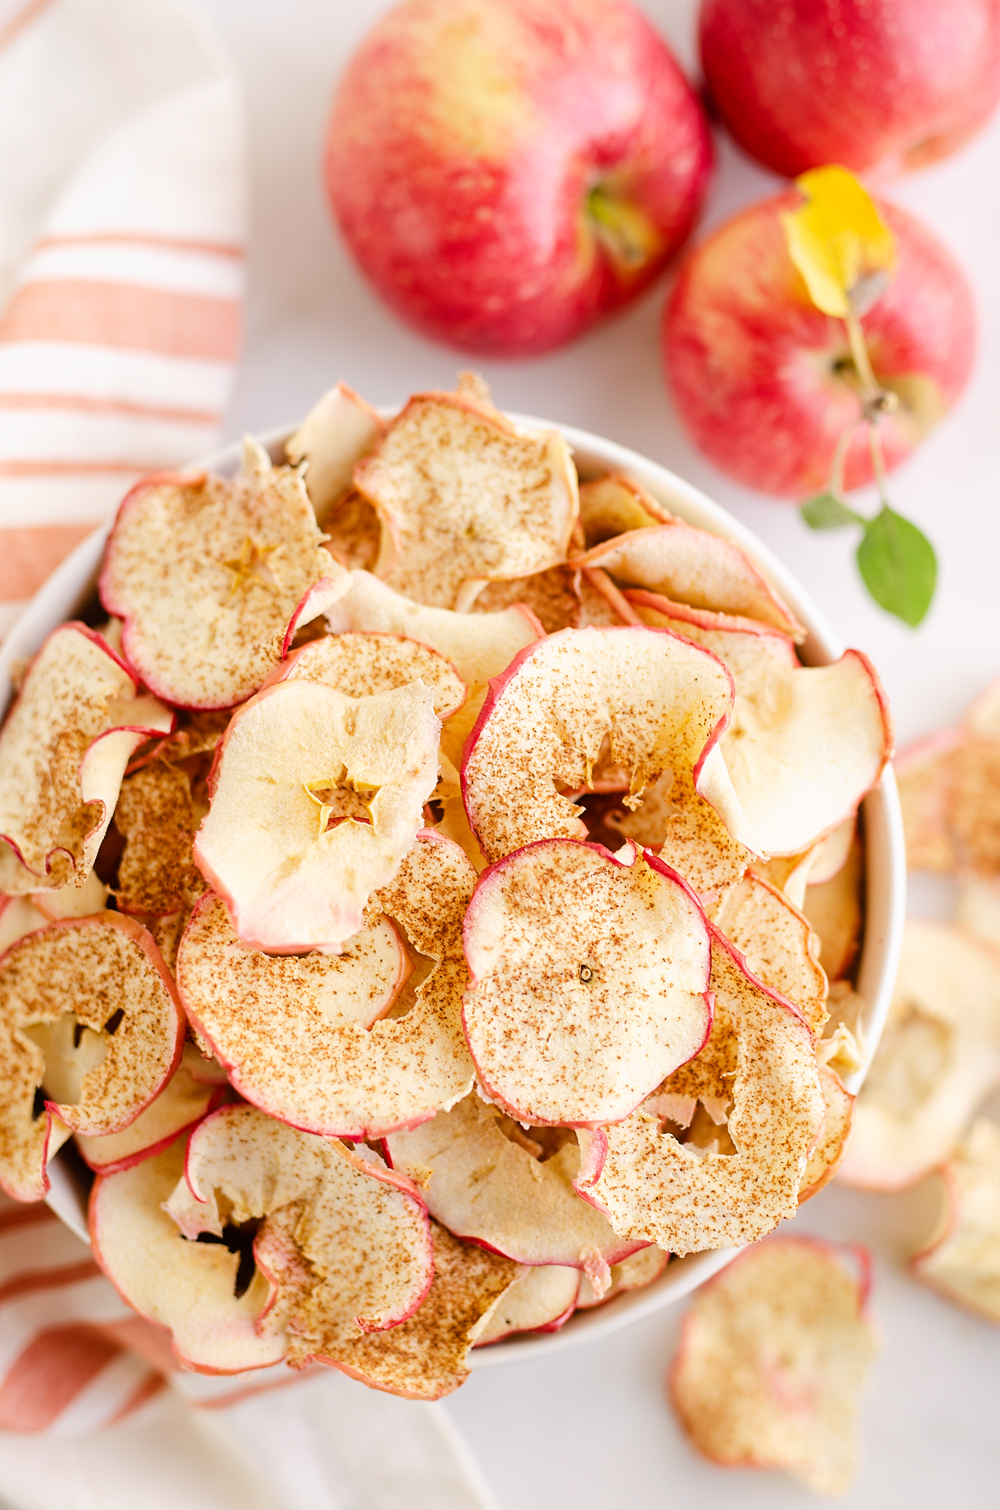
x=316 y=797
x=87 y=1011
x=336 y=433
x=18 y=916
x=938 y=1057
x=660 y=701
x=773 y=1357
x=315 y=1040
x=694 y=567
x=613 y=505
x=553 y=597
x=542 y=1300
x=653 y=1188
x=489 y=1183
x=601 y=602
x=72 y=901
x=588 y=981
x=361 y=664
x=633 y=1273
x=157 y=875
x=835 y=912
x=828 y=1155
x=197 y=1086
x=63 y=751
x=427 y=1356
x=242 y=554
x=465 y=499
x=961 y=1260
x=777 y=943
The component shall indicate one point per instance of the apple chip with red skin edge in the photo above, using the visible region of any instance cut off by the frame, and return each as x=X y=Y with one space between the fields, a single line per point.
x=633 y=1273
x=614 y=505
x=776 y=941
x=157 y=875
x=63 y=751
x=334 y=436
x=542 y=1300
x=601 y=602
x=685 y=1199
x=938 y=1057
x=243 y=552
x=427 y=1356
x=660 y=701
x=193 y=1090
x=88 y=1010
x=773 y=1357
x=315 y=799
x=553 y=597
x=307 y=1038
x=588 y=981
x=827 y=729
x=961 y=1259
x=465 y=499
x=491 y=1189
x=694 y=567
x=361 y=663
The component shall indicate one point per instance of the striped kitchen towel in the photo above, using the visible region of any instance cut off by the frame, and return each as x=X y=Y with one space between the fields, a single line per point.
x=122 y=222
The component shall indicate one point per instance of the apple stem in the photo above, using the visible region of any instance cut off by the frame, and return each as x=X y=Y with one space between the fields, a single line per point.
x=878 y=462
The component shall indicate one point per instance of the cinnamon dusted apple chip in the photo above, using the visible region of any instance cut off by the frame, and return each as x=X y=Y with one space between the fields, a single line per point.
x=691 y=566
x=341 y=1245
x=961 y=1259
x=336 y=433
x=773 y=1357
x=427 y=1356
x=553 y=597
x=314 y=1040
x=63 y=751
x=633 y=1273
x=316 y=797
x=542 y=1300
x=353 y=533
x=242 y=554
x=87 y=1011
x=613 y=505
x=494 y=1187
x=826 y=728
x=655 y=1189
x=157 y=875
x=196 y=1087
x=777 y=943
x=588 y=981
x=938 y=1057
x=828 y=1155
x=601 y=602
x=361 y=664
x=465 y=499
x=660 y=701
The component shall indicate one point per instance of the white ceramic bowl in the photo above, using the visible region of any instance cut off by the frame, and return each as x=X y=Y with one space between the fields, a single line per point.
x=71 y=584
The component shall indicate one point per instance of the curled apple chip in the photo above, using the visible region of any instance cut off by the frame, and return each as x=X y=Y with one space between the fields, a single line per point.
x=465 y=499
x=242 y=554
x=588 y=976
x=613 y=505
x=553 y=597
x=826 y=728
x=835 y=912
x=938 y=1057
x=157 y=875
x=691 y=566
x=87 y=1012
x=361 y=664
x=315 y=1040
x=687 y=1198
x=493 y=1186
x=776 y=941
x=336 y=433
x=961 y=1259
x=601 y=602
x=632 y=1273
x=659 y=702
x=831 y=1146
x=63 y=751
x=316 y=797
x=542 y=1300
x=773 y=1357
x=196 y=1087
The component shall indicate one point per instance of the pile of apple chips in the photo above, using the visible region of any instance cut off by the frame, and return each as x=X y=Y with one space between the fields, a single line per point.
x=421 y=896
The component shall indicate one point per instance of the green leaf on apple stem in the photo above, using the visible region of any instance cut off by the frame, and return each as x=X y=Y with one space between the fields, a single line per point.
x=828 y=512
x=898 y=565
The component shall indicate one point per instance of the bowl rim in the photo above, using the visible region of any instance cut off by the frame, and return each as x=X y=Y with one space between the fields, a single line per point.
x=885 y=891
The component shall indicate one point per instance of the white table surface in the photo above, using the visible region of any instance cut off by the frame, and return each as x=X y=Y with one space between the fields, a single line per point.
x=588 y=1429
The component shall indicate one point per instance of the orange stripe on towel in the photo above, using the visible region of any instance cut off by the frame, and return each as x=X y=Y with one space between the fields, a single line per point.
x=22 y=19
x=126 y=238
x=50 y=1373
x=85 y=403
x=123 y=315
x=48 y=1279
x=28 y=555
x=24 y=1216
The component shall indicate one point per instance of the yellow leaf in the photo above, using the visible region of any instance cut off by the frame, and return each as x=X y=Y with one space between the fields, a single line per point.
x=838 y=241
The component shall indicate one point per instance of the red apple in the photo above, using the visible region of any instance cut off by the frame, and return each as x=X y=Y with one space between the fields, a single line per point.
x=508 y=171
x=765 y=382
x=889 y=85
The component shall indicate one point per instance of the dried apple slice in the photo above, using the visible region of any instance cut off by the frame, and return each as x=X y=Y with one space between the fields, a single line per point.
x=939 y=1055
x=72 y=901
x=613 y=505
x=836 y=915
x=464 y=499
x=88 y=1011
x=601 y=602
x=827 y=728
x=493 y=1188
x=691 y=566
x=923 y=773
x=828 y=1155
x=243 y=552
x=157 y=875
x=336 y=433
x=18 y=916
x=977 y=906
x=63 y=752
x=588 y=976
x=773 y=1357
x=308 y=1039
x=633 y=1273
x=961 y=1259
x=553 y=597
x=542 y=1300
x=776 y=941
x=316 y=797
x=361 y=664
x=653 y=1188
x=192 y=1090
x=661 y=701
